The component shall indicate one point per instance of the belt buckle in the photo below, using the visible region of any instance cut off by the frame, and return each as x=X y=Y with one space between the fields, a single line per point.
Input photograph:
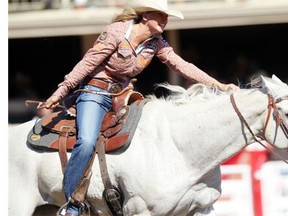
x=115 y=88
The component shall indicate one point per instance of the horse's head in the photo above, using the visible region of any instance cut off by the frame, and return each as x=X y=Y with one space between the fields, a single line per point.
x=276 y=126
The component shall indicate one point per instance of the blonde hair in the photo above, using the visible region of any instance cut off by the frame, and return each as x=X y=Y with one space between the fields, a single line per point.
x=128 y=14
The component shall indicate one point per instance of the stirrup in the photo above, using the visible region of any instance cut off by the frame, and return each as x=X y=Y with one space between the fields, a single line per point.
x=85 y=210
x=114 y=201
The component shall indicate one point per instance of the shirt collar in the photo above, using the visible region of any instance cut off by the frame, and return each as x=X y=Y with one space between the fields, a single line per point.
x=142 y=45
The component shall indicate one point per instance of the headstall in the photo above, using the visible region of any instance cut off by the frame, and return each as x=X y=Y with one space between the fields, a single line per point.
x=279 y=121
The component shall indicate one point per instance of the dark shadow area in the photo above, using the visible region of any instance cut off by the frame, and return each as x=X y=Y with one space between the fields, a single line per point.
x=230 y=54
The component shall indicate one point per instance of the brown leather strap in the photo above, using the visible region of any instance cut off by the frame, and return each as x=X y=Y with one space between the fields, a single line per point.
x=232 y=99
x=112 y=196
x=63 y=135
x=99 y=83
x=280 y=122
x=102 y=162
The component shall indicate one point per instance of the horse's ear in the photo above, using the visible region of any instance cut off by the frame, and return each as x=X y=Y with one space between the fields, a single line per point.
x=277 y=80
x=274 y=80
x=272 y=84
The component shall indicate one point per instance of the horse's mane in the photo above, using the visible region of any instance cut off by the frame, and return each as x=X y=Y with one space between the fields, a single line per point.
x=180 y=95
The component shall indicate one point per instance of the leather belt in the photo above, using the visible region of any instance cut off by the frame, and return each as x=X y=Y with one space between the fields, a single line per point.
x=109 y=87
x=99 y=83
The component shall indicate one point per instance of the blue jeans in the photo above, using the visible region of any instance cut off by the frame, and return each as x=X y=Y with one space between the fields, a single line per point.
x=91 y=109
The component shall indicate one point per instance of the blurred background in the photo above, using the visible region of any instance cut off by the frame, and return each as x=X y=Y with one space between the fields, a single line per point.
x=229 y=39
x=232 y=40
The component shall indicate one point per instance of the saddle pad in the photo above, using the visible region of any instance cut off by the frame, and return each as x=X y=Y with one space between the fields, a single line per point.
x=43 y=140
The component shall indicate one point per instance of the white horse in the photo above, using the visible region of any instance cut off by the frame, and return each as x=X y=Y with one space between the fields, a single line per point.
x=172 y=165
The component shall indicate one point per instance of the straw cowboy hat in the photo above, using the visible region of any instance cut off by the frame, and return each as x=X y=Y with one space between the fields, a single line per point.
x=153 y=5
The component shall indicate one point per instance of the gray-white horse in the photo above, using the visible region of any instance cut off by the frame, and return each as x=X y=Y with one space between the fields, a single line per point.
x=172 y=165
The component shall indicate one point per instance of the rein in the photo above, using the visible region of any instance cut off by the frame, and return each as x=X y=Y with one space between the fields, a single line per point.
x=40 y=104
x=279 y=120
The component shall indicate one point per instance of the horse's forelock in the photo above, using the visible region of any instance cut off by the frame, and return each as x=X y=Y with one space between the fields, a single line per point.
x=256 y=82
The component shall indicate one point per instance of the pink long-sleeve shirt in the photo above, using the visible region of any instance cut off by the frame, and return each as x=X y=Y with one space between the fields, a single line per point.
x=113 y=58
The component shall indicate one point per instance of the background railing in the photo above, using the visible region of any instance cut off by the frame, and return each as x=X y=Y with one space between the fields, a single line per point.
x=30 y=5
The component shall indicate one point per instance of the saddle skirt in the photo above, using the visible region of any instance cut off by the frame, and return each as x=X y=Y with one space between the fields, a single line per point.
x=50 y=132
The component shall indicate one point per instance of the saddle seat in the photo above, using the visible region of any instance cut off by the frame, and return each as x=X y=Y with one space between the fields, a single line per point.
x=58 y=131
x=64 y=122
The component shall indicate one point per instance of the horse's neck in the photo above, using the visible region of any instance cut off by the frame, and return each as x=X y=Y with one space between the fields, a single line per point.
x=252 y=104
x=210 y=133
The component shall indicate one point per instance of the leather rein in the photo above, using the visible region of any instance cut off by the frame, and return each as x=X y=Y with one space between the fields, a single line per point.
x=280 y=122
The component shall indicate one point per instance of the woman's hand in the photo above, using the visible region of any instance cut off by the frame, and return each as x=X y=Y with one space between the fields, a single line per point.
x=51 y=102
x=228 y=87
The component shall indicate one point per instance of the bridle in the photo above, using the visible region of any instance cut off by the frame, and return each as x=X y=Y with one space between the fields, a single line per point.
x=279 y=121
